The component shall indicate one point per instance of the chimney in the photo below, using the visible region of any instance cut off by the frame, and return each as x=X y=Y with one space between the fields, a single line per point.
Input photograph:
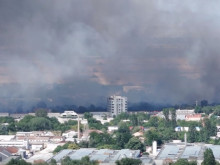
x=78 y=128
x=154 y=148
x=185 y=139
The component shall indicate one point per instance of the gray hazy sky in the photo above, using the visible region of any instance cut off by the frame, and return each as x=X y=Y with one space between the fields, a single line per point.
x=81 y=51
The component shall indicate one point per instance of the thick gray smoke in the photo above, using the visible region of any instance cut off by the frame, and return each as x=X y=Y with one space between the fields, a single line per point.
x=79 y=52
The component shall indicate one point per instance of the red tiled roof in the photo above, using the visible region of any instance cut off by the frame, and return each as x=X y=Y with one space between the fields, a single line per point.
x=94 y=130
x=12 y=150
x=194 y=116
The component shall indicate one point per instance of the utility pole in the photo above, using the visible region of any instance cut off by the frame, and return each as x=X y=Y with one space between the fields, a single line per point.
x=78 y=127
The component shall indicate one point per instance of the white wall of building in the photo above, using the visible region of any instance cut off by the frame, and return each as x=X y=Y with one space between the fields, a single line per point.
x=117 y=105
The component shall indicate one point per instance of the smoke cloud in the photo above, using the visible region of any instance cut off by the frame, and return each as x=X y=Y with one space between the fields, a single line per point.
x=79 y=52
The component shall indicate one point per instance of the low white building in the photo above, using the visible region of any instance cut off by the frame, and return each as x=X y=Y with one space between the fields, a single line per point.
x=57 y=139
x=15 y=143
x=37 y=147
x=35 y=133
x=4 y=114
x=193 y=117
x=56 y=115
x=126 y=120
x=186 y=129
x=180 y=114
x=69 y=114
x=138 y=134
x=112 y=128
x=84 y=121
x=102 y=119
x=70 y=134
x=7 y=137
x=218 y=128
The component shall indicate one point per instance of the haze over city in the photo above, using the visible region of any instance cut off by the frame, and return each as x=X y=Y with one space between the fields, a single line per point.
x=81 y=52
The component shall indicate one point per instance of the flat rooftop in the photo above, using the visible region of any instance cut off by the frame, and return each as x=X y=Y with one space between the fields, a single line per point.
x=169 y=152
x=102 y=155
x=216 y=151
x=191 y=151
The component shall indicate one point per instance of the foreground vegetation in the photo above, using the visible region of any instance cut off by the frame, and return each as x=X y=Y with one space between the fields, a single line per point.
x=66 y=161
x=39 y=122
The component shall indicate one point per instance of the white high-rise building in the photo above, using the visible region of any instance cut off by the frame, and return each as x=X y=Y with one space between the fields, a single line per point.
x=117 y=105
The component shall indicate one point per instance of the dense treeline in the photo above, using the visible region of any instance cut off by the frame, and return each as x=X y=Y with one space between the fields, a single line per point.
x=135 y=119
x=40 y=122
x=120 y=139
x=208 y=110
x=66 y=161
x=93 y=123
x=69 y=145
x=163 y=130
x=128 y=161
x=159 y=129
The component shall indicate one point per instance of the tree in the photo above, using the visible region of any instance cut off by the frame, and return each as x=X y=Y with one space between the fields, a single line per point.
x=135 y=144
x=166 y=134
x=150 y=136
x=87 y=115
x=173 y=117
x=134 y=120
x=73 y=146
x=209 y=158
x=41 y=163
x=12 y=127
x=153 y=121
x=192 y=134
x=217 y=110
x=83 y=144
x=207 y=109
x=100 y=139
x=122 y=135
x=66 y=161
x=84 y=161
x=40 y=124
x=210 y=127
x=24 y=124
x=41 y=112
x=128 y=161
x=198 y=109
x=94 y=124
x=108 y=146
x=166 y=113
x=7 y=119
x=57 y=149
x=17 y=162
x=55 y=124
x=184 y=162
x=65 y=146
x=53 y=162
x=181 y=162
x=3 y=130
